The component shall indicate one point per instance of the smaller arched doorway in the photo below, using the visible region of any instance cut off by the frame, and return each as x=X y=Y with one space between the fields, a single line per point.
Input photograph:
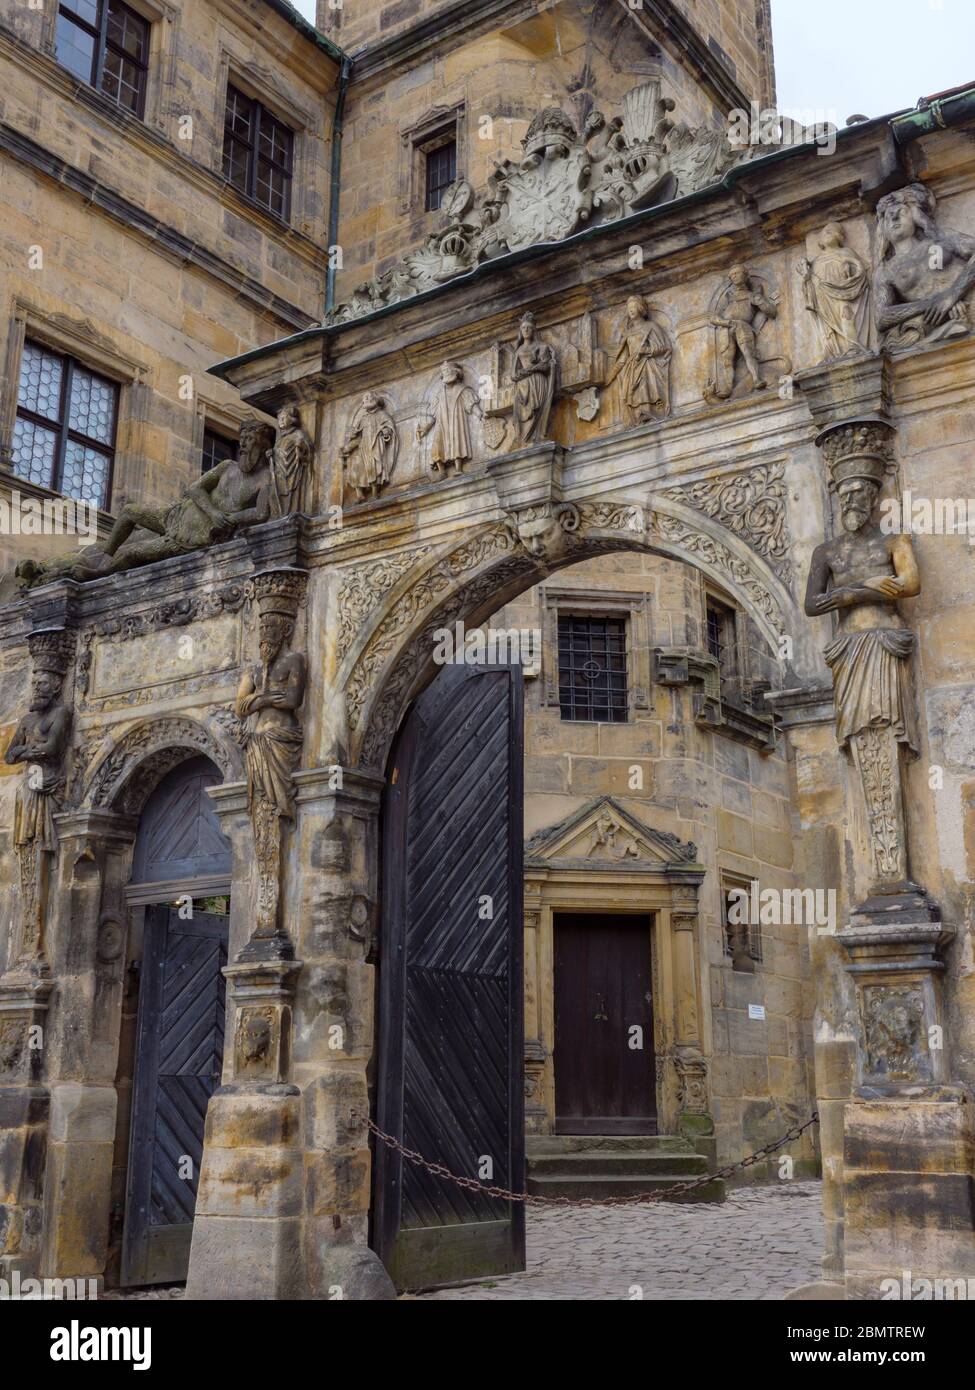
x=179 y=902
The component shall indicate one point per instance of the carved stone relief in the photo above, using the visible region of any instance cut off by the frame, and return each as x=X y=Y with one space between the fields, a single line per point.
x=740 y=310
x=38 y=744
x=642 y=364
x=894 y=1037
x=268 y=699
x=861 y=575
x=836 y=289
x=751 y=504
x=565 y=180
x=371 y=447
x=290 y=461
x=925 y=271
x=446 y=416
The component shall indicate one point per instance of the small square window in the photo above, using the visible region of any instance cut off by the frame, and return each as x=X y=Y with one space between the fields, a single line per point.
x=592 y=669
x=216 y=448
x=441 y=172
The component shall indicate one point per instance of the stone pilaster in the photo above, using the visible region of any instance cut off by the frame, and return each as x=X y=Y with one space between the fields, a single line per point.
x=86 y=942
x=24 y=1112
x=248 y=1221
x=332 y=917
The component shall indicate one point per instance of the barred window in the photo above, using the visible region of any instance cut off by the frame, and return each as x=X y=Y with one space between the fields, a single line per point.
x=258 y=153
x=216 y=448
x=592 y=669
x=64 y=431
x=441 y=171
x=722 y=637
x=106 y=44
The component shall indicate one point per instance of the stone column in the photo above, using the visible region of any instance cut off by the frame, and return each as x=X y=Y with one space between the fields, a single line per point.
x=24 y=1114
x=87 y=951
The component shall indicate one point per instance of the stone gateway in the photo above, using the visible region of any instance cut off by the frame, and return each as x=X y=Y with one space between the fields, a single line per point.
x=483 y=320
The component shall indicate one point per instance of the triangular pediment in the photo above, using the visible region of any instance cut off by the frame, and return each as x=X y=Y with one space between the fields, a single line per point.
x=604 y=834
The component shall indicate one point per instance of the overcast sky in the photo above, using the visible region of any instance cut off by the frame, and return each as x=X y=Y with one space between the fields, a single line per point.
x=869 y=57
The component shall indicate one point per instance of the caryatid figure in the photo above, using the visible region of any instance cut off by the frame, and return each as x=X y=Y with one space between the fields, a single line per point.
x=861 y=576
x=290 y=459
x=268 y=699
x=370 y=449
x=39 y=742
x=925 y=271
x=450 y=408
x=836 y=289
x=643 y=359
x=534 y=369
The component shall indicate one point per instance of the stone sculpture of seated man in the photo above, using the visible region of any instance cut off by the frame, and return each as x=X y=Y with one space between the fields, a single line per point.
x=233 y=494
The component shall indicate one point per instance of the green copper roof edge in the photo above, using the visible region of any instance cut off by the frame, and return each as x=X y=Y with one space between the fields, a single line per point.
x=907 y=120
x=299 y=22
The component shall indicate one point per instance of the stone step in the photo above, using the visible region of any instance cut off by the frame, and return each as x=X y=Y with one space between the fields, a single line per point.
x=630 y=1162
x=601 y=1186
x=609 y=1143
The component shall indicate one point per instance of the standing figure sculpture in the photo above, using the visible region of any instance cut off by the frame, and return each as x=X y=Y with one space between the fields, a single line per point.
x=534 y=370
x=39 y=742
x=643 y=358
x=836 y=290
x=268 y=699
x=370 y=448
x=742 y=313
x=861 y=575
x=925 y=271
x=448 y=414
x=290 y=459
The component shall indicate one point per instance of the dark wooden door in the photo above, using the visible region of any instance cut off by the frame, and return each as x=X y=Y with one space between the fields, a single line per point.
x=179 y=1054
x=451 y=1049
x=605 y=1080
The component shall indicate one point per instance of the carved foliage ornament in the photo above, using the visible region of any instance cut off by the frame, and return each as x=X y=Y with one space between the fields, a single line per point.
x=751 y=504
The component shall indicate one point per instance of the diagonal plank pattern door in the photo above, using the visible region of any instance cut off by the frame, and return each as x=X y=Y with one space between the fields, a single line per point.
x=180 y=1055
x=450 y=1084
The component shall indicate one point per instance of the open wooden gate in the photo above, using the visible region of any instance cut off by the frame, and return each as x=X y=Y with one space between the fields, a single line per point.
x=451 y=1050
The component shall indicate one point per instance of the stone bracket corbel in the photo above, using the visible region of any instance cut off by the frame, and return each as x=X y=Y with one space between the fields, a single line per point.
x=687 y=665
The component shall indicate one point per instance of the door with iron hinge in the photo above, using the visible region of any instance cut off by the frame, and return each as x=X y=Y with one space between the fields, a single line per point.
x=450 y=1082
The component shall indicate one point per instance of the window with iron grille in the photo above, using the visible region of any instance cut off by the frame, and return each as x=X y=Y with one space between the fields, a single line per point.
x=722 y=636
x=216 y=448
x=592 y=669
x=441 y=172
x=258 y=153
x=738 y=891
x=105 y=44
x=64 y=431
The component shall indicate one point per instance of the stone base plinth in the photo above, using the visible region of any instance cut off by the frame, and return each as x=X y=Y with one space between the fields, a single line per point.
x=909 y=1192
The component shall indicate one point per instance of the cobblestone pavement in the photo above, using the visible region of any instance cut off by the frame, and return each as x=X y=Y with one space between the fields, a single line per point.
x=758 y=1244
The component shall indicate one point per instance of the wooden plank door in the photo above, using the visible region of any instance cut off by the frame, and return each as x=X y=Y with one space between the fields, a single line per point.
x=179 y=1055
x=605 y=1082
x=451 y=1047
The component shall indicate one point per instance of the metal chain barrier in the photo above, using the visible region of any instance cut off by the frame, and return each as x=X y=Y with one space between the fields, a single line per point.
x=530 y=1200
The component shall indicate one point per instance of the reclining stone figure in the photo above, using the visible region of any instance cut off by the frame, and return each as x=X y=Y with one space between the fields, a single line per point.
x=236 y=493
